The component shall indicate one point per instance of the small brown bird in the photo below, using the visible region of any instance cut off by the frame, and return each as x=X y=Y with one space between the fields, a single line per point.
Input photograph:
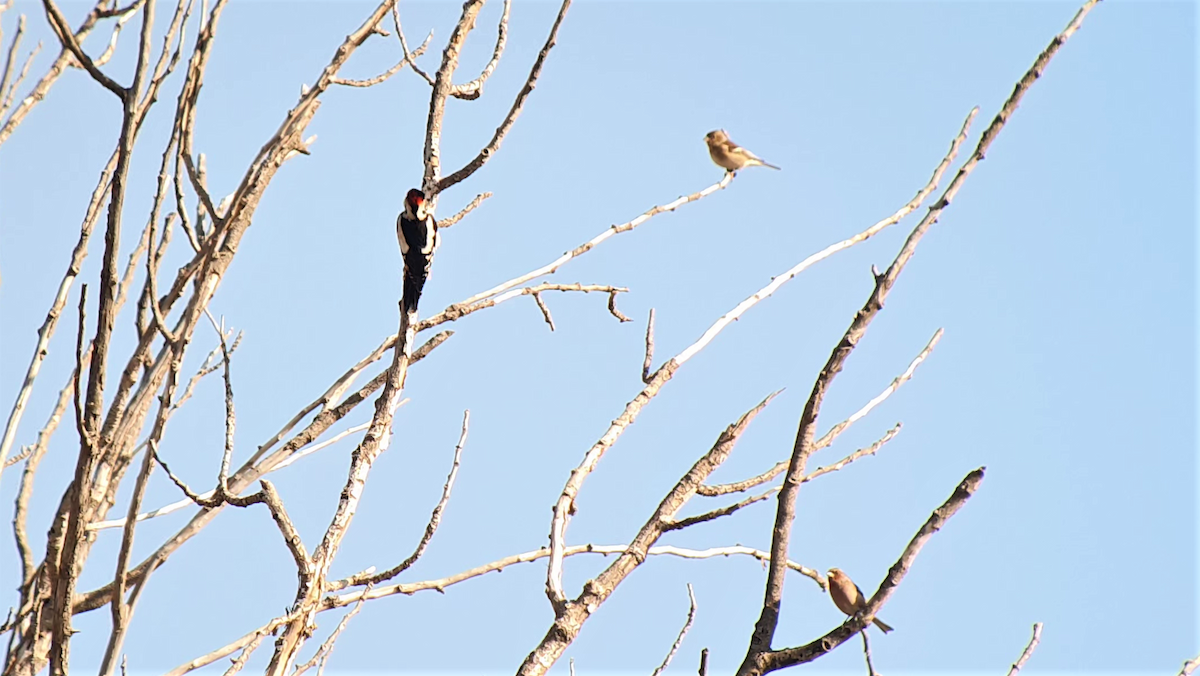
x=848 y=597
x=729 y=155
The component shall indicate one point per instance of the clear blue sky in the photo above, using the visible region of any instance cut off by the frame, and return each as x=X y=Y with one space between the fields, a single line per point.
x=1063 y=275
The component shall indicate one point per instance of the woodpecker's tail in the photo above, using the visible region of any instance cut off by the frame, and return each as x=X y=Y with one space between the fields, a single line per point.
x=415 y=274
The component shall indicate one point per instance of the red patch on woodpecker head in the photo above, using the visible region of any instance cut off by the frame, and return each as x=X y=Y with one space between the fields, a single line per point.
x=415 y=197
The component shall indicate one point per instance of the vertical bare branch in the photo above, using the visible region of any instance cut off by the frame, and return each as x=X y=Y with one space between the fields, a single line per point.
x=25 y=492
x=121 y=610
x=442 y=86
x=649 y=347
x=8 y=85
x=375 y=442
x=80 y=513
x=78 y=254
x=435 y=519
x=867 y=654
x=691 y=617
x=474 y=88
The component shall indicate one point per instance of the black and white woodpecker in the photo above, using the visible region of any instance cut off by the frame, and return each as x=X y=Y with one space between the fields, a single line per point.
x=418 y=235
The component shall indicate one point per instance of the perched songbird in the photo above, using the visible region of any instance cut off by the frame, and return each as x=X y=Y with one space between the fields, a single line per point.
x=418 y=235
x=729 y=155
x=848 y=597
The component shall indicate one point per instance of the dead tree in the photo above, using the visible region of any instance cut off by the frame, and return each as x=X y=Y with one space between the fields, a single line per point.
x=120 y=421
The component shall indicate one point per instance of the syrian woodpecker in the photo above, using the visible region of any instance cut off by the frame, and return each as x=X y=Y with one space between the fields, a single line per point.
x=418 y=235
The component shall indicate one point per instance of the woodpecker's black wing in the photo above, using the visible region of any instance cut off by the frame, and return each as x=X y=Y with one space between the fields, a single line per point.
x=419 y=239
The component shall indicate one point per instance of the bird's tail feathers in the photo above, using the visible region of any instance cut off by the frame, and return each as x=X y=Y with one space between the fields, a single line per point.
x=878 y=622
x=414 y=284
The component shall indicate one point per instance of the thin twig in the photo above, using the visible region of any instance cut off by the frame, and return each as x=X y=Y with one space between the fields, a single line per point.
x=649 y=349
x=56 y=69
x=474 y=88
x=691 y=617
x=67 y=37
x=451 y=220
x=867 y=655
x=833 y=433
x=230 y=415
x=409 y=57
x=1027 y=653
x=537 y=298
x=435 y=519
x=322 y=654
x=441 y=584
x=612 y=307
x=371 y=82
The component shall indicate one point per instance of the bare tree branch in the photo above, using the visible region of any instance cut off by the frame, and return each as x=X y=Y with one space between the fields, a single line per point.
x=1027 y=653
x=39 y=91
x=60 y=300
x=691 y=617
x=435 y=520
x=537 y=298
x=833 y=433
x=9 y=86
x=67 y=37
x=441 y=90
x=494 y=145
x=649 y=350
x=780 y=659
x=322 y=654
x=451 y=220
x=804 y=446
x=569 y=616
x=440 y=585
x=760 y=642
x=565 y=503
x=474 y=88
x=371 y=82
x=867 y=654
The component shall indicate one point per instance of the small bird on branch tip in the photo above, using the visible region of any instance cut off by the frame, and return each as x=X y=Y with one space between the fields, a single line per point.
x=729 y=155
x=848 y=597
x=418 y=234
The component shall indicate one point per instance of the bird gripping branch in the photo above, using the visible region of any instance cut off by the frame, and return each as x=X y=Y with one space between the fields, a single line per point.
x=418 y=234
